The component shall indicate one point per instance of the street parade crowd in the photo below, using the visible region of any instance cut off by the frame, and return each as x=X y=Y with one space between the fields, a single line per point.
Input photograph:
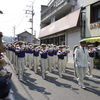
x=47 y=57
x=33 y=56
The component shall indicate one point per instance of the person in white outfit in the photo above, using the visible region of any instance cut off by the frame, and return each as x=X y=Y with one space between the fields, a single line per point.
x=60 y=54
x=30 y=56
x=91 y=52
x=75 y=65
x=50 y=59
x=44 y=63
x=21 y=61
x=82 y=58
x=36 y=52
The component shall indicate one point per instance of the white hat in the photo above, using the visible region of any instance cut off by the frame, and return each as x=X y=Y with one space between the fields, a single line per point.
x=2 y=62
x=3 y=73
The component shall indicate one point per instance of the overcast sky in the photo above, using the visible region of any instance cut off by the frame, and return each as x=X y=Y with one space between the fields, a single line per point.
x=14 y=15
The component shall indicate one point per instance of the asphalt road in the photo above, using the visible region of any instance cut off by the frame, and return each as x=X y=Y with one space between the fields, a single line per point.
x=33 y=87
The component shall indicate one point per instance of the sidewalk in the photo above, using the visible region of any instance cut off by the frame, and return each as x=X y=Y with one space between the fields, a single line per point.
x=19 y=91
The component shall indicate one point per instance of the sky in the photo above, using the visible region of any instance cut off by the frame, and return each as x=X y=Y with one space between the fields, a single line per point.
x=14 y=15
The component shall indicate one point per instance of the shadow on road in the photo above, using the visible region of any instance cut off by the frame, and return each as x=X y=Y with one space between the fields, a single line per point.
x=92 y=90
x=17 y=96
x=30 y=82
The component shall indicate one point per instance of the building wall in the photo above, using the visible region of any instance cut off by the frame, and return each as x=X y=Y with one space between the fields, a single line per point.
x=72 y=38
x=91 y=32
x=88 y=2
x=28 y=39
x=79 y=4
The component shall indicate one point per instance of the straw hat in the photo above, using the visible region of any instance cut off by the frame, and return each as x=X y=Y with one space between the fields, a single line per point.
x=2 y=62
x=75 y=46
x=3 y=73
x=82 y=41
x=60 y=46
x=21 y=42
x=35 y=45
x=91 y=45
x=43 y=45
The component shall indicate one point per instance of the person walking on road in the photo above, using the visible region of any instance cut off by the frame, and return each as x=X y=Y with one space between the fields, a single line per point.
x=44 y=63
x=82 y=58
x=75 y=66
x=91 y=52
x=21 y=61
x=60 y=54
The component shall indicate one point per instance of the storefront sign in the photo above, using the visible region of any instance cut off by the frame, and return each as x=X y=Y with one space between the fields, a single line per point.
x=95 y=26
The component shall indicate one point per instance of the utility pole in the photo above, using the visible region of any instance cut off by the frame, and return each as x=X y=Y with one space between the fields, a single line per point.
x=31 y=12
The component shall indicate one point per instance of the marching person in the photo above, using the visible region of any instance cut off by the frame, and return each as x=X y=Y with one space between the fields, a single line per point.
x=55 y=58
x=16 y=57
x=10 y=52
x=30 y=56
x=44 y=63
x=26 y=55
x=91 y=52
x=36 y=57
x=13 y=54
x=50 y=59
x=65 y=51
x=75 y=67
x=60 y=54
x=21 y=62
x=82 y=58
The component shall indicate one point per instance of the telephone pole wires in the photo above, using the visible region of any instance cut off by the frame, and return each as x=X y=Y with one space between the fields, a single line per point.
x=31 y=12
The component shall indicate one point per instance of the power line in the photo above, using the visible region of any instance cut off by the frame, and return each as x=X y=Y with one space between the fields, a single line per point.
x=11 y=15
x=37 y=22
x=11 y=19
x=21 y=21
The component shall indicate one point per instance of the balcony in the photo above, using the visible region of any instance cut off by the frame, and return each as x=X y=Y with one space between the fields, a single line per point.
x=57 y=6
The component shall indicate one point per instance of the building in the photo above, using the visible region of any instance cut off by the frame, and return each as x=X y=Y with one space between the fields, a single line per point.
x=27 y=37
x=92 y=18
x=60 y=22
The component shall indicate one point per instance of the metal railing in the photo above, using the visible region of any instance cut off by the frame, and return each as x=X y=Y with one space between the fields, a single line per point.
x=55 y=5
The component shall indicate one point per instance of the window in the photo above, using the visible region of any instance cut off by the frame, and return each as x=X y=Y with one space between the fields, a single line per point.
x=95 y=12
x=99 y=14
x=23 y=38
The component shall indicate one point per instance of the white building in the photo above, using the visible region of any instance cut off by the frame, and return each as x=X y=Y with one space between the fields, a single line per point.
x=60 y=22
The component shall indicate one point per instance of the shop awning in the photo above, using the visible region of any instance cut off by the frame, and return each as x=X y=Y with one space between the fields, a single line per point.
x=64 y=23
x=94 y=39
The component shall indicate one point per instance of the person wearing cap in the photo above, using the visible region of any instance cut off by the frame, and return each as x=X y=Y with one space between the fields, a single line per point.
x=55 y=58
x=65 y=51
x=44 y=63
x=26 y=55
x=50 y=58
x=30 y=55
x=60 y=54
x=10 y=52
x=16 y=57
x=91 y=52
x=75 y=67
x=13 y=54
x=81 y=59
x=21 y=62
x=36 y=57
